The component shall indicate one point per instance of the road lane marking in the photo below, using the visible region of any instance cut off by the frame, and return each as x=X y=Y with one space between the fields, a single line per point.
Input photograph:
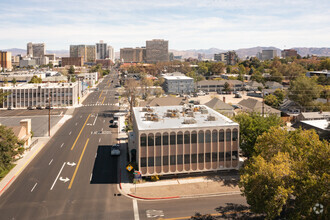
x=136 y=210
x=103 y=121
x=50 y=162
x=76 y=123
x=74 y=144
x=70 y=132
x=103 y=100
x=29 y=160
x=101 y=94
x=95 y=155
x=95 y=119
x=34 y=187
x=59 y=173
x=75 y=172
x=80 y=116
x=90 y=179
x=62 y=145
x=99 y=140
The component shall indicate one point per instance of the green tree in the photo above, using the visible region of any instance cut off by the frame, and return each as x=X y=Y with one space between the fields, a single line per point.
x=202 y=68
x=228 y=69
x=325 y=64
x=276 y=76
x=14 y=81
x=288 y=175
x=257 y=76
x=71 y=70
x=272 y=100
x=280 y=95
x=35 y=79
x=197 y=77
x=73 y=79
x=5 y=81
x=227 y=87
x=251 y=126
x=304 y=90
x=217 y=68
x=10 y=147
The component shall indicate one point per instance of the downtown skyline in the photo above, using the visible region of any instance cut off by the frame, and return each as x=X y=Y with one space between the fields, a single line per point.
x=186 y=24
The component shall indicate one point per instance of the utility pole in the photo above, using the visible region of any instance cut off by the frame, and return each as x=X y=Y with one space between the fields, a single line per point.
x=49 y=100
x=263 y=103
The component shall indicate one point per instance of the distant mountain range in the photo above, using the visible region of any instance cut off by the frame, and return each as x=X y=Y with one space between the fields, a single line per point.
x=208 y=53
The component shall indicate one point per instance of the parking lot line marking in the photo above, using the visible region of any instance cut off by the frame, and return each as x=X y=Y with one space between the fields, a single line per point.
x=136 y=210
x=50 y=162
x=74 y=144
x=62 y=145
x=59 y=173
x=75 y=172
x=34 y=187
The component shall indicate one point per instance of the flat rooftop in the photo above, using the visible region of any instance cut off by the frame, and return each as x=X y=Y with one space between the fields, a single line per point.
x=181 y=116
x=177 y=78
x=36 y=85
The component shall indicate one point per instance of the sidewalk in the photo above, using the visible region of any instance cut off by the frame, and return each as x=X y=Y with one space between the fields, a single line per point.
x=189 y=187
x=28 y=156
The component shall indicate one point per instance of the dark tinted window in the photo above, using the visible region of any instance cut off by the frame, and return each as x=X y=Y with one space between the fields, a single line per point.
x=165 y=160
x=187 y=138
x=180 y=159
x=143 y=140
x=158 y=140
x=165 y=139
x=194 y=158
x=207 y=157
x=193 y=138
x=186 y=159
x=180 y=138
x=150 y=161
x=172 y=139
x=172 y=160
x=221 y=136
x=200 y=158
x=143 y=162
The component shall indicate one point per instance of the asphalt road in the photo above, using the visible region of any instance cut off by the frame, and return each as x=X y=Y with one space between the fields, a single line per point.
x=74 y=176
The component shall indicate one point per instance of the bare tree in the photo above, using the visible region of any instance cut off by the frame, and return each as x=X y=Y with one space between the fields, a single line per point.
x=131 y=92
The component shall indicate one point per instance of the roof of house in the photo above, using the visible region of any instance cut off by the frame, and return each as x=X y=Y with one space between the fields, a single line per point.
x=219 y=82
x=217 y=104
x=287 y=103
x=19 y=131
x=321 y=124
x=272 y=84
x=254 y=84
x=256 y=106
x=315 y=115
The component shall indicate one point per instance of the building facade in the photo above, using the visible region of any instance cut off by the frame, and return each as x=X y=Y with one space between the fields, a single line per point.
x=267 y=54
x=78 y=51
x=289 y=53
x=36 y=50
x=132 y=55
x=230 y=57
x=184 y=139
x=157 y=51
x=33 y=95
x=101 y=50
x=219 y=85
x=90 y=53
x=29 y=49
x=178 y=84
x=5 y=60
x=72 y=61
x=111 y=53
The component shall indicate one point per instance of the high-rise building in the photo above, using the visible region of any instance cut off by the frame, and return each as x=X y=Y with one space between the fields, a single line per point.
x=230 y=57
x=289 y=53
x=78 y=51
x=29 y=49
x=111 y=53
x=36 y=50
x=101 y=50
x=267 y=54
x=91 y=53
x=132 y=55
x=156 y=51
x=5 y=60
x=72 y=61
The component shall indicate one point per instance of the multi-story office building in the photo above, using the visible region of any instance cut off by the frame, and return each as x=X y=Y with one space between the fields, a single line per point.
x=267 y=54
x=111 y=53
x=90 y=53
x=78 y=51
x=5 y=60
x=26 y=95
x=157 y=51
x=72 y=61
x=230 y=57
x=183 y=139
x=36 y=50
x=101 y=50
x=178 y=84
x=289 y=53
x=27 y=62
x=132 y=55
x=219 y=85
x=51 y=57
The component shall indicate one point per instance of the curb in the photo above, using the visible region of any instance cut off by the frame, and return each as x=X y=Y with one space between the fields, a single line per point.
x=171 y=197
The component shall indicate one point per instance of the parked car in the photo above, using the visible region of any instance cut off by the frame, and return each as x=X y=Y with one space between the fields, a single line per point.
x=30 y=108
x=111 y=121
x=47 y=107
x=201 y=93
x=39 y=107
x=10 y=108
x=115 y=151
x=238 y=95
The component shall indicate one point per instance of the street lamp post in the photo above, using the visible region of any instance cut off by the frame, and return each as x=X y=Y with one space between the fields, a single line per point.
x=49 y=106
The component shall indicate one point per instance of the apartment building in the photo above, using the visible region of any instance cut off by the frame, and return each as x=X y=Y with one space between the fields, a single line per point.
x=132 y=55
x=178 y=84
x=289 y=53
x=101 y=50
x=36 y=50
x=26 y=95
x=5 y=60
x=72 y=61
x=219 y=85
x=183 y=139
x=229 y=58
x=157 y=51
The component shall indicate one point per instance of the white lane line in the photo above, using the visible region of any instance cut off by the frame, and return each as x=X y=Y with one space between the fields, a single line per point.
x=80 y=116
x=76 y=123
x=95 y=119
x=136 y=210
x=62 y=145
x=90 y=179
x=59 y=173
x=34 y=187
x=102 y=129
x=70 y=132
x=99 y=140
x=50 y=162
x=103 y=121
x=95 y=155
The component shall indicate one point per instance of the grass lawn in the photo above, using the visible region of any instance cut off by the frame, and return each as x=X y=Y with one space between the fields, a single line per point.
x=4 y=172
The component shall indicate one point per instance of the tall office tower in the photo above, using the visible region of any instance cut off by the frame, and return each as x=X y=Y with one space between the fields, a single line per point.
x=91 y=53
x=111 y=53
x=132 y=55
x=5 y=60
x=39 y=50
x=232 y=58
x=29 y=49
x=78 y=51
x=101 y=50
x=156 y=51
x=268 y=54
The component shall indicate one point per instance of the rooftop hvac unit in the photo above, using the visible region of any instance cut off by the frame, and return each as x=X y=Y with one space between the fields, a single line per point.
x=190 y=114
x=204 y=111
x=211 y=118
x=189 y=121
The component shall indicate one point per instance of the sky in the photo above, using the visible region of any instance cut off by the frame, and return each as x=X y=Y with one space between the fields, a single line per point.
x=186 y=24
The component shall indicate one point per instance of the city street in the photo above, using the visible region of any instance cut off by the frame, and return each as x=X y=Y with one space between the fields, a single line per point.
x=74 y=176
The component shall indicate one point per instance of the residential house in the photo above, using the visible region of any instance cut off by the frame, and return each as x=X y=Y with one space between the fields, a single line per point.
x=221 y=107
x=273 y=85
x=218 y=85
x=253 y=86
x=253 y=105
x=313 y=116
